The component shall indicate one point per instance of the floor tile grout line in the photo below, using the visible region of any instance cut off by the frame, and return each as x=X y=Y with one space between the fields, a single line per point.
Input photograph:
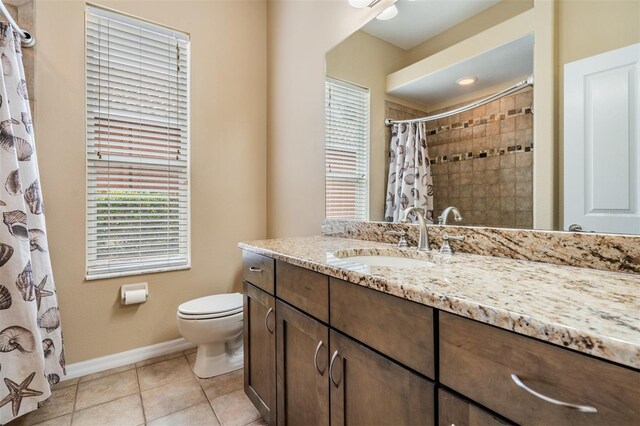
x=215 y=413
x=163 y=384
x=206 y=398
x=73 y=407
x=103 y=403
x=193 y=376
x=134 y=367
x=144 y=414
x=174 y=412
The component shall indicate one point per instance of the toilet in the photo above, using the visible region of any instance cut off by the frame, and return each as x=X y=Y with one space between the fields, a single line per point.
x=214 y=323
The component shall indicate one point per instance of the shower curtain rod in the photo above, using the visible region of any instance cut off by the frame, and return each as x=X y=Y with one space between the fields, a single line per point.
x=26 y=39
x=516 y=87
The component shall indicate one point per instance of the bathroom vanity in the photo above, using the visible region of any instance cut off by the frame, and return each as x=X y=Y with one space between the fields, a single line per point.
x=464 y=340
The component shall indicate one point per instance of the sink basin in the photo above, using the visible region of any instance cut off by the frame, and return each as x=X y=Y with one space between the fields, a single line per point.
x=390 y=261
x=384 y=257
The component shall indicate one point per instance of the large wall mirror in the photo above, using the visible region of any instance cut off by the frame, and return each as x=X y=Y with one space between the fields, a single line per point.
x=519 y=113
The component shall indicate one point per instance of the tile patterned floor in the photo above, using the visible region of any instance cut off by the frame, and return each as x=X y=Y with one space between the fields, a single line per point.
x=158 y=392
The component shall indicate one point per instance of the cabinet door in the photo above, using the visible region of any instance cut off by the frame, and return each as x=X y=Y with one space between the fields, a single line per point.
x=260 y=351
x=303 y=384
x=368 y=389
x=455 y=411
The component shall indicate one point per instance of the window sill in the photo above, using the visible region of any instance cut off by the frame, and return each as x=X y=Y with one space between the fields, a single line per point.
x=107 y=275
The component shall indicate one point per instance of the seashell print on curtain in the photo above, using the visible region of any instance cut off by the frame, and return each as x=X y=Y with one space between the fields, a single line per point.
x=409 y=183
x=31 y=353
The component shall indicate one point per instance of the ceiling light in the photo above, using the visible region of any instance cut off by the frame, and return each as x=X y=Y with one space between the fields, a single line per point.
x=465 y=81
x=388 y=13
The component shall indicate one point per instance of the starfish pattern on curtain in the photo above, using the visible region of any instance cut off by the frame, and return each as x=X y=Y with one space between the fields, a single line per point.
x=31 y=352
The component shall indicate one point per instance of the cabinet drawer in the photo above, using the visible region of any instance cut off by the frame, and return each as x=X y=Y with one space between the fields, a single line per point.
x=400 y=329
x=484 y=363
x=258 y=270
x=304 y=289
x=453 y=410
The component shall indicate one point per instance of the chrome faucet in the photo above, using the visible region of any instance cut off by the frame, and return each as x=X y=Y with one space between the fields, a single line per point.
x=423 y=240
x=442 y=219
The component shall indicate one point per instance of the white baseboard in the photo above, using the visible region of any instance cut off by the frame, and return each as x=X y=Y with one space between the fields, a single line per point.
x=96 y=365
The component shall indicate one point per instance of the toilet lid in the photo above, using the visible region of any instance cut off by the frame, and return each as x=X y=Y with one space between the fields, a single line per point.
x=228 y=304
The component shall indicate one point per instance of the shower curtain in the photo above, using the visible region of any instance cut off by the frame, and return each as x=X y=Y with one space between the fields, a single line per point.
x=409 y=183
x=31 y=353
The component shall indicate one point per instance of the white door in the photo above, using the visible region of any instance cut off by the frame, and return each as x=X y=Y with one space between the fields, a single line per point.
x=602 y=142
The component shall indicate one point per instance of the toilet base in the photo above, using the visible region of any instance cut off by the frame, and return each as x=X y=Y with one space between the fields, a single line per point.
x=215 y=359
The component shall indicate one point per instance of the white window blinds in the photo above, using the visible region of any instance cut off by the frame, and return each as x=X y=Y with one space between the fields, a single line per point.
x=137 y=98
x=347 y=150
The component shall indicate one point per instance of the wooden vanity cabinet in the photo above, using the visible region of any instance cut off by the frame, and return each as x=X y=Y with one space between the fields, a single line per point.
x=401 y=329
x=302 y=368
x=456 y=411
x=369 y=389
x=322 y=351
x=260 y=350
x=485 y=363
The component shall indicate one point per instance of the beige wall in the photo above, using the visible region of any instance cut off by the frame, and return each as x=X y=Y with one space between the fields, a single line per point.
x=366 y=60
x=299 y=35
x=484 y=20
x=228 y=152
x=587 y=28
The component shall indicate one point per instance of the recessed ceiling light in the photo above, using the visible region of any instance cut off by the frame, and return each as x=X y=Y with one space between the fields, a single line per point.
x=388 y=13
x=465 y=81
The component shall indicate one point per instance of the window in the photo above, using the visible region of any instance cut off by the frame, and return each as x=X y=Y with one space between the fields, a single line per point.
x=347 y=150
x=137 y=95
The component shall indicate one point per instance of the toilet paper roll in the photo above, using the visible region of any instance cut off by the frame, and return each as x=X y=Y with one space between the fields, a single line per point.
x=132 y=297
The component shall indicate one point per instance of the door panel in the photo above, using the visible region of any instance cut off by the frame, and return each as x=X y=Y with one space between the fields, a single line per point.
x=259 y=350
x=303 y=393
x=602 y=142
x=368 y=389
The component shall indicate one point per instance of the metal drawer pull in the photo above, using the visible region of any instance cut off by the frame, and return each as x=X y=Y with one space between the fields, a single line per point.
x=254 y=269
x=315 y=358
x=333 y=360
x=266 y=320
x=581 y=408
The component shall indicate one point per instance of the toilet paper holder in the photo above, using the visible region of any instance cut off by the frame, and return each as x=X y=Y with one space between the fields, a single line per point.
x=131 y=294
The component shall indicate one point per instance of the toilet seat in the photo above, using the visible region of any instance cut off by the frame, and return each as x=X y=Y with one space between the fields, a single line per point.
x=208 y=307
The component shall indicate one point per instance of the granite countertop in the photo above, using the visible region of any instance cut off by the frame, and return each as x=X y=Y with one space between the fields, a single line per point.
x=590 y=311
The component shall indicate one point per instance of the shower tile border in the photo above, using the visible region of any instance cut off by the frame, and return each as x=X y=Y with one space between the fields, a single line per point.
x=512 y=149
x=499 y=116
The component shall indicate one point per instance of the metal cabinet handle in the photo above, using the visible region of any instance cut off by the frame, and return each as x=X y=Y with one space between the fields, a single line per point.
x=266 y=320
x=333 y=360
x=254 y=269
x=315 y=358
x=581 y=408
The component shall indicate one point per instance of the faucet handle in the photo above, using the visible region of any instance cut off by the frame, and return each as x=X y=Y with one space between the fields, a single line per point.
x=445 y=248
x=402 y=242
